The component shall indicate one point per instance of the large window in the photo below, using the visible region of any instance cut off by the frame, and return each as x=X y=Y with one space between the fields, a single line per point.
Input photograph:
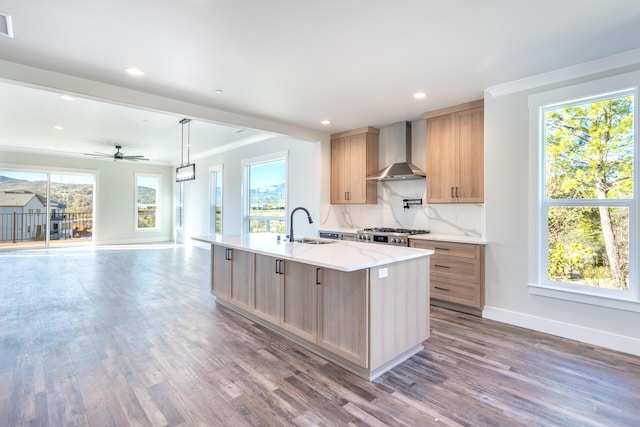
x=215 y=200
x=147 y=192
x=588 y=199
x=266 y=194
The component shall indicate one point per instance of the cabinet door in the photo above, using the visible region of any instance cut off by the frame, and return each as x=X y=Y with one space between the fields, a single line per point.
x=221 y=274
x=299 y=300
x=471 y=156
x=357 y=170
x=242 y=277
x=268 y=288
x=441 y=159
x=342 y=314
x=339 y=170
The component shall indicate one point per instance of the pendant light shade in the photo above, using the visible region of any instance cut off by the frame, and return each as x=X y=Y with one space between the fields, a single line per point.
x=186 y=172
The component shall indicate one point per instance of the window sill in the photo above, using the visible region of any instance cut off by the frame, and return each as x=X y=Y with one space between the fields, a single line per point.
x=585 y=298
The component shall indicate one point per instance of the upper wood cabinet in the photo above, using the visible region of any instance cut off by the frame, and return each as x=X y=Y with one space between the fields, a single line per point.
x=354 y=155
x=455 y=154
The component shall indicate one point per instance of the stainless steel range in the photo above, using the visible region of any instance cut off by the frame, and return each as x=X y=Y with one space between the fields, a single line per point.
x=388 y=236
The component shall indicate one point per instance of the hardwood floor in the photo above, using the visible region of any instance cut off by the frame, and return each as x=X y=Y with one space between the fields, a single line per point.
x=131 y=336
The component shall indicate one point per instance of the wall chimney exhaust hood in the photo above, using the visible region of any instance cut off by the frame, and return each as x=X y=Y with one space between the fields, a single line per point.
x=401 y=140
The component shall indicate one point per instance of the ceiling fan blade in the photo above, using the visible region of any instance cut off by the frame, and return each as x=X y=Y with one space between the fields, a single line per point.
x=96 y=154
x=134 y=158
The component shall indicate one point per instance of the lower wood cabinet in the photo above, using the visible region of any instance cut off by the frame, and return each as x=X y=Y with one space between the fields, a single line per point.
x=300 y=300
x=457 y=274
x=268 y=287
x=329 y=311
x=232 y=275
x=342 y=300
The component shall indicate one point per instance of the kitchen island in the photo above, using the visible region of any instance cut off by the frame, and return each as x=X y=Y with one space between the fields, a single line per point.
x=362 y=306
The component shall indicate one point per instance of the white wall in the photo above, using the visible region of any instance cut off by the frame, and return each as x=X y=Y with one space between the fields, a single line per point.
x=304 y=186
x=115 y=193
x=457 y=219
x=508 y=230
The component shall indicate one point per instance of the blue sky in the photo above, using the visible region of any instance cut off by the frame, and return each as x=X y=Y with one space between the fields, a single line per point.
x=268 y=174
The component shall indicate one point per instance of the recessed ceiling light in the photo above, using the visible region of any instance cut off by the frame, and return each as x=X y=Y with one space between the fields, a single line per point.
x=134 y=71
x=219 y=91
x=419 y=95
x=67 y=98
x=325 y=122
x=58 y=127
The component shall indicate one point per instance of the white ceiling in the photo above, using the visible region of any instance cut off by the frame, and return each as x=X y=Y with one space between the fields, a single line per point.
x=354 y=62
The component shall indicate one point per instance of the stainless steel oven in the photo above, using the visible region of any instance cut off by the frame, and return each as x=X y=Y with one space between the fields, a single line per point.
x=388 y=236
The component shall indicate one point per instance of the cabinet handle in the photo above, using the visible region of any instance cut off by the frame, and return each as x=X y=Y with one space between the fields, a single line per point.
x=441 y=289
x=441 y=266
x=457 y=192
x=452 y=196
x=441 y=249
x=277 y=262
x=318 y=276
x=227 y=254
x=281 y=270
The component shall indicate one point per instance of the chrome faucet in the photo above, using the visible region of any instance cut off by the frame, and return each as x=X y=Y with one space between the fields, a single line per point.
x=291 y=221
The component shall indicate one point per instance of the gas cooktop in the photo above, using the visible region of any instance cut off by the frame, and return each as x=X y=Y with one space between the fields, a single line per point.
x=389 y=236
x=407 y=231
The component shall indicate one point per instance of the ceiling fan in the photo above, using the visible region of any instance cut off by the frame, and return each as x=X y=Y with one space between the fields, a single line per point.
x=118 y=155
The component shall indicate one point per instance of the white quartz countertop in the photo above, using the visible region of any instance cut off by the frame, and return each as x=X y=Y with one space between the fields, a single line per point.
x=338 y=255
x=449 y=238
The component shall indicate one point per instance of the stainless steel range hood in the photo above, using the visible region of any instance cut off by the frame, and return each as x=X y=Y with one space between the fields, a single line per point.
x=403 y=170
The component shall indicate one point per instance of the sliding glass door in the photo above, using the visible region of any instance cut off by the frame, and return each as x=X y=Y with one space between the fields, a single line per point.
x=41 y=208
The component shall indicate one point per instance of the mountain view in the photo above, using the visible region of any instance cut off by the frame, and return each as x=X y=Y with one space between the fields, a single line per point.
x=77 y=197
x=269 y=197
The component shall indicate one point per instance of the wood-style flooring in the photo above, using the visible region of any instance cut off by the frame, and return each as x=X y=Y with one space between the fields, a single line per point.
x=131 y=336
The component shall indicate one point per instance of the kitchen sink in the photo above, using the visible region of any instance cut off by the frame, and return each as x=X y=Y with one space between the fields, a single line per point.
x=312 y=241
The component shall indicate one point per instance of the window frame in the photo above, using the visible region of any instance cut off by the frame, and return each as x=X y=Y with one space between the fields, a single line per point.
x=246 y=167
x=157 y=178
x=540 y=284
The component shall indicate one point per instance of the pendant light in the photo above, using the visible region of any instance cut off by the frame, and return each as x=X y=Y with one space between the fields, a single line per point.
x=186 y=172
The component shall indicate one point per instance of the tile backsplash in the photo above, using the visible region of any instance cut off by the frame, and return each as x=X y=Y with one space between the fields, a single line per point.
x=456 y=219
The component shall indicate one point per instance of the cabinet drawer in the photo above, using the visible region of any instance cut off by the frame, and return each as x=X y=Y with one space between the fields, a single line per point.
x=456 y=291
x=455 y=268
x=444 y=249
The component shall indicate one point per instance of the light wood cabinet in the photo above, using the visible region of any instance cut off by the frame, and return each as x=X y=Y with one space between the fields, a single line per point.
x=232 y=276
x=268 y=287
x=455 y=154
x=366 y=321
x=299 y=300
x=457 y=274
x=354 y=156
x=342 y=300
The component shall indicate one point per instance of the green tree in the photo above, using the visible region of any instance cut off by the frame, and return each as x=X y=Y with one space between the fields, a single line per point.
x=589 y=154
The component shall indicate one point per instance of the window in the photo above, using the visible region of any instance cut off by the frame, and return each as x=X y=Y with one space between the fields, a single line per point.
x=180 y=206
x=266 y=194
x=147 y=194
x=587 y=198
x=215 y=200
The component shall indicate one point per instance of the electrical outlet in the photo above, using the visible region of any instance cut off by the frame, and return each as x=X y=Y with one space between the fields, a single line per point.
x=382 y=273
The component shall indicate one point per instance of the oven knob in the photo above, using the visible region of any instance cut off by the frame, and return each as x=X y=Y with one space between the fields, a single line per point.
x=393 y=240
x=369 y=238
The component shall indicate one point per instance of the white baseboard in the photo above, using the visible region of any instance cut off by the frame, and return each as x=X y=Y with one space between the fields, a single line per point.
x=140 y=241
x=566 y=330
